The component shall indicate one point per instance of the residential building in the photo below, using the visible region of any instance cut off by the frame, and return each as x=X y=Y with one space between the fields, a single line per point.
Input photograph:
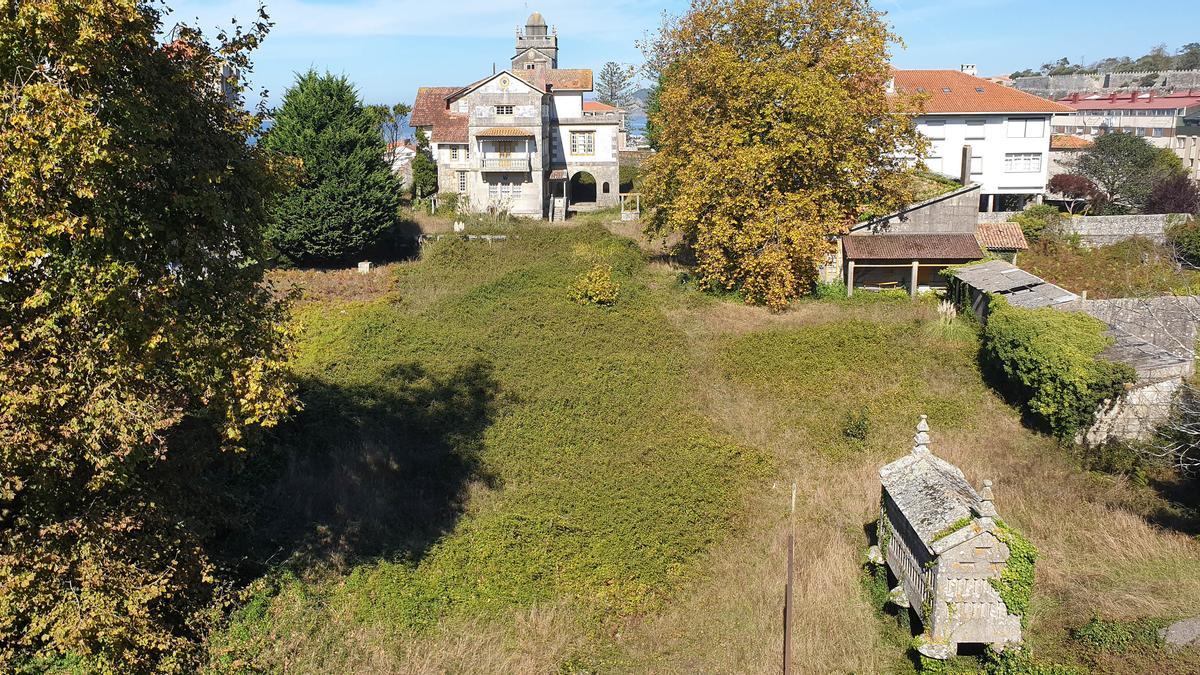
x=400 y=155
x=1064 y=148
x=1169 y=120
x=1007 y=132
x=521 y=140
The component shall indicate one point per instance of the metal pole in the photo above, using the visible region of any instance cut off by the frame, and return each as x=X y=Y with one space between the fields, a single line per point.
x=787 y=594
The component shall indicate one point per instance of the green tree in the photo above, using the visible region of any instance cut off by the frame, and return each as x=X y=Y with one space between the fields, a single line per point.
x=1188 y=57
x=776 y=131
x=424 y=170
x=653 y=110
x=136 y=335
x=1124 y=167
x=614 y=85
x=346 y=196
x=391 y=123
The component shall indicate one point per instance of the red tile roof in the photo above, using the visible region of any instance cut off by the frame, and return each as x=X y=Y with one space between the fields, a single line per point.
x=1132 y=101
x=1069 y=142
x=597 y=106
x=950 y=91
x=551 y=79
x=431 y=110
x=912 y=247
x=1002 y=236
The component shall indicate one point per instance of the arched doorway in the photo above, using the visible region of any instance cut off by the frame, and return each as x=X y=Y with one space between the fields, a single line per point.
x=582 y=189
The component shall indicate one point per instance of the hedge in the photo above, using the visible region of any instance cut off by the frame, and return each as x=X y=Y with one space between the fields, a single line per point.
x=1047 y=359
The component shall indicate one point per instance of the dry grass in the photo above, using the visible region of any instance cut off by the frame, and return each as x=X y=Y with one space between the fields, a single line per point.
x=1133 y=268
x=333 y=285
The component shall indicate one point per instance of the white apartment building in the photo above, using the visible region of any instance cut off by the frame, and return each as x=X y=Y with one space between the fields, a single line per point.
x=523 y=140
x=1169 y=120
x=1006 y=130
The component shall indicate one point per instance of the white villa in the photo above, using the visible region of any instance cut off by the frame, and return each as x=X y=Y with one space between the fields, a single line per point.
x=1007 y=131
x=523 y=140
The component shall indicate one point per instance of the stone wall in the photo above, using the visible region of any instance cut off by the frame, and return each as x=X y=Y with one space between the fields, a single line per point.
x=1105 y=83
x=1167 y=322
x=954 y=212
x=1134 y=416
x=1096 y=231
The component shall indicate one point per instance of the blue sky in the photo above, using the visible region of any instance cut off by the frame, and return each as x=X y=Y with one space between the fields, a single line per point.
x=390 y=47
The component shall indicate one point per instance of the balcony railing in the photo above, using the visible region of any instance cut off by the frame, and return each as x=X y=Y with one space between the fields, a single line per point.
x=505 y=164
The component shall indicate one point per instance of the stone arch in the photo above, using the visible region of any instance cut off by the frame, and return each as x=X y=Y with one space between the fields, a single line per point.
x=583 y=188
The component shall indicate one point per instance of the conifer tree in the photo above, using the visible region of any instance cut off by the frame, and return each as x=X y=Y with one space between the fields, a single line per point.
x=346 y=195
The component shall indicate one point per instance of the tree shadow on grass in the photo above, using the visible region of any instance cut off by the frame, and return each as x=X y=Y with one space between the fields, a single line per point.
x=1182 y=512
x=363 y=471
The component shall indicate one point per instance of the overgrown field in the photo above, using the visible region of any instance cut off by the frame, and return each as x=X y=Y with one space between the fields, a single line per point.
x=490 y=477
x=1136 y=267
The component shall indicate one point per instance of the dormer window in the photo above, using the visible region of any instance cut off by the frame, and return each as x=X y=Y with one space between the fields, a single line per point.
x=504 y=111
x=945 y=90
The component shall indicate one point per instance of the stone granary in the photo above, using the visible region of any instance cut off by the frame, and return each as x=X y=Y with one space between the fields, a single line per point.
x=939 y=537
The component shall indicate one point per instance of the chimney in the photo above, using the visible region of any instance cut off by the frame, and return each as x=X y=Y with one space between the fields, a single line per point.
x=969 y=69
x=891 y=85
x=1112 y=98
x=1075 y=97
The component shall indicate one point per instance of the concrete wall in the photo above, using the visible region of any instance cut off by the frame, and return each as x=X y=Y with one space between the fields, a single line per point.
x=1103 y=230
x=955 y=212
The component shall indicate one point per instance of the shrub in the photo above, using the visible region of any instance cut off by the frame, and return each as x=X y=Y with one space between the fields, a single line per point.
x=1047 y=360
x=1174 y=194
x=857 y=425
x=1118 y=637
x=447 y=203
x=832 y=290
x=596 y=287
x=1038 y=221
x=1184 y=238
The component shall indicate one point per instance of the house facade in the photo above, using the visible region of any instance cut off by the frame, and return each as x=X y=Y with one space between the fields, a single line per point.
x=1007 y=132
x=522 y=140
x=1169 y=120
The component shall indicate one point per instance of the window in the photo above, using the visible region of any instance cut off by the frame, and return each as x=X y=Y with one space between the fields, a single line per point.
x=934 y=163
x=605 y=188
x=1022 y=162
x=462 y=181
x=1158 y=132
x=530 y=66
x=976 y=164
x=504 y=110
x=583 y=142
x=975 y=130
x=1027 y=128
x=454 y=152
x=935 y=130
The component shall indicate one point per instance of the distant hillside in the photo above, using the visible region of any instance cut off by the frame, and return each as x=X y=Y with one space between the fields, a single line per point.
x=1158 y=59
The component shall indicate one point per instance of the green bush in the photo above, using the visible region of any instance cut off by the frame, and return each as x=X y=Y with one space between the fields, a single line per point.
x=1118 y=637
x=1038 y=221
x=1047 y=360
x=1184 y=239
x=857 y=425
x=596 y=287
x=447 y=203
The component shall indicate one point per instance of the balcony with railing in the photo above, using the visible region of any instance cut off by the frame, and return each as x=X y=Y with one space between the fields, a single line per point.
x=513 y=163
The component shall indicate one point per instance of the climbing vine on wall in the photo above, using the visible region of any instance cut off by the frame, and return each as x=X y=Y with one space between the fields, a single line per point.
x=1015 y=584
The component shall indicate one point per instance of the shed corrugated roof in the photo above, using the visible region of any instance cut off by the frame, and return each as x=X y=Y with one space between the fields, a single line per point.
x=951 y=91
x=912 y=247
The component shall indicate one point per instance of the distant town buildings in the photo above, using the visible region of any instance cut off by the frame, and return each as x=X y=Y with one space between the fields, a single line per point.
x=1166 y=120
x=1005 y=131
x=523 y=140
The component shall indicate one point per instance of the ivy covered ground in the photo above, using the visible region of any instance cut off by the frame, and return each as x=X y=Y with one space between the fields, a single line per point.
x=491 y=477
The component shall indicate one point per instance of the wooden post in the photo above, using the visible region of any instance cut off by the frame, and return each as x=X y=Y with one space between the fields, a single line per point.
x=850 y=279
x=965 y=170
x=912 y=289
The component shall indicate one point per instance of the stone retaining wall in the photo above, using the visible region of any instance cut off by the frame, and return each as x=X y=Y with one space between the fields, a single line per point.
x=1096 y=231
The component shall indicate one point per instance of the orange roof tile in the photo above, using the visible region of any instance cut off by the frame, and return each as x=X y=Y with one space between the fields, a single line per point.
x=597 y=106
x=430 y=109
x=1005 y=236
x=1069 y=142
x=950 y=91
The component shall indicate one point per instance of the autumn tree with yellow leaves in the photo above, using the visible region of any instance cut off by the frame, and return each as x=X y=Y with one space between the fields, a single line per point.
x=136 y=336
x=775 y=130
